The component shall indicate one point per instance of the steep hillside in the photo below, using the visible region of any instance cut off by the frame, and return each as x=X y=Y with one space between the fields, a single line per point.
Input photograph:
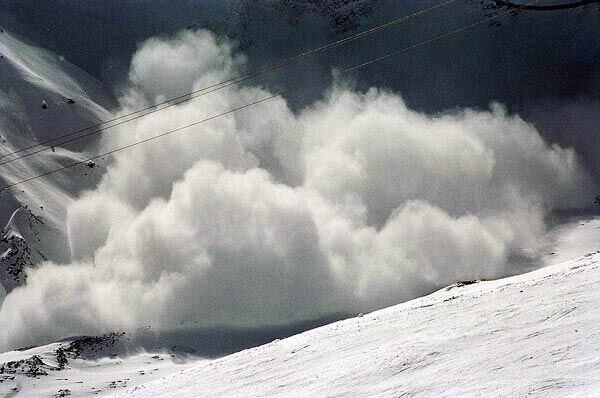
x=42 y=97
x=535 y=334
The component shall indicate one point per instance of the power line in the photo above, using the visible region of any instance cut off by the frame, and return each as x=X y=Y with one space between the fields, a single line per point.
x=210 y=88
x=143 y=141
x=347 y=70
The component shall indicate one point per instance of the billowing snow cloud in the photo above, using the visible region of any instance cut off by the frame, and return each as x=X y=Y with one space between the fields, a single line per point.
x=266 y=216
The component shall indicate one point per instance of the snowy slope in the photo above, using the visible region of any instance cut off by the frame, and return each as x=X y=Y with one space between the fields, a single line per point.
x=29 y=77
x=81 y=367
x=32 y=76
x=536 y=334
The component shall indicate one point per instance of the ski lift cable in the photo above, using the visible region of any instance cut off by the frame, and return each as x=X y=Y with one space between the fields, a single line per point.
x=265 y=99
x=104 y=125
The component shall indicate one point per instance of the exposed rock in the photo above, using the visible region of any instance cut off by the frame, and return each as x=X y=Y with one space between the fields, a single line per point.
x=342 y=15
x=463 y=283
x=17 y=252
x=30 y=367
x=89 y=347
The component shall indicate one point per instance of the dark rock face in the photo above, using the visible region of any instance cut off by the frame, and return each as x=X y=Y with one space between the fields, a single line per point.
x=343 y=15
x=16 y=252
x=30 y=367
x=88 y=347
x=15 y=258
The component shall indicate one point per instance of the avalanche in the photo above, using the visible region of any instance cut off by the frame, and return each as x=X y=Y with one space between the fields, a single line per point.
x=534 y=334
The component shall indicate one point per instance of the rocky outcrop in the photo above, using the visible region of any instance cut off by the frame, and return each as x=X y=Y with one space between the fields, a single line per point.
x=18 y=247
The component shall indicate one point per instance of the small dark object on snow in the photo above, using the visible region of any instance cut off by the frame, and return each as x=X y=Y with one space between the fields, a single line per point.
x=63 y=393
x=90 y=164
x=44 y=105
x=61 y=358
x=463 y=283
x=70 y=101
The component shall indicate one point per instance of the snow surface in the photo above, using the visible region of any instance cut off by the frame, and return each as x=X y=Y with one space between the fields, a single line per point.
x=30 y=76
x=536 y=334
x=82 y=376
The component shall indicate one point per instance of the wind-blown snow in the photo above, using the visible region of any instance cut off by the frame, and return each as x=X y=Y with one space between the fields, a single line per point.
x=268 y=216
x=530 y=335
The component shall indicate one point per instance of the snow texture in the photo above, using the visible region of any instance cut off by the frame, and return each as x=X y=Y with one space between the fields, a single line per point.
x=531 y=335
x=32 y=76
x=81 y=367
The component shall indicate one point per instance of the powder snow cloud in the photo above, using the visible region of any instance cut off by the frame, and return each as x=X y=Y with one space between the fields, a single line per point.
x=266 y=216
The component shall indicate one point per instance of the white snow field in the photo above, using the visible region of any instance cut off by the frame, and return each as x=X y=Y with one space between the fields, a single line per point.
x=536 y=334
x=36 y=372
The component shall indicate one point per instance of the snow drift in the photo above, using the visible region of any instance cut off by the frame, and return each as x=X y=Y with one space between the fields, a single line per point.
x=267 y=216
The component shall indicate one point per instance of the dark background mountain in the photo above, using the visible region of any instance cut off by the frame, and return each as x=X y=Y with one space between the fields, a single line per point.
x=544 y=66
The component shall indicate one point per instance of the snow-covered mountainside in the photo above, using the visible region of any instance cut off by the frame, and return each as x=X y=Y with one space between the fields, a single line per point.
x=271 y=216
x=42 y=97
x=535 y=334
x=18 y=246
x=83 y=366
